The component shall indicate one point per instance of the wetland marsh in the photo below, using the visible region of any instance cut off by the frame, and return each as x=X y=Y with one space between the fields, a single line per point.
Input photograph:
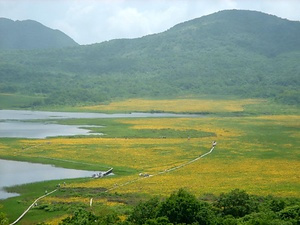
x=257 y=151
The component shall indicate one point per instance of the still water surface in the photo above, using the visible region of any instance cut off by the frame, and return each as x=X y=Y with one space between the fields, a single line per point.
x=21 y=124
x=33 y=115
x=20 y=129
x=16 y=173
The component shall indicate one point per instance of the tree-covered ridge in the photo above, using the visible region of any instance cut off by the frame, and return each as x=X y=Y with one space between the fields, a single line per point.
x=234 y=52
x=29 y=34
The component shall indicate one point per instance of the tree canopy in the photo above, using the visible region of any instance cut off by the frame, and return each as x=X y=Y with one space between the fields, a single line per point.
x=181 y=207
x=231 y=53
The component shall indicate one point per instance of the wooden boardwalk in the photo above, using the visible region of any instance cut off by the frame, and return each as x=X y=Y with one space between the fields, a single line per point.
x=26 y=211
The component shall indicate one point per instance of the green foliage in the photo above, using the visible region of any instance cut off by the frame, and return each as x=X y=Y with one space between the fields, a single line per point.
x=234 y=53
x=290 y=212
x=236 y=203
x=180 y=207
x=144 y=211
x=158 y=221
x=51 y=207
x=3 y=219
x=261 y=218
x=80 y=217
x=233 y=208
x=183 y=207
x=111 y=219
x=277 y=205
x=84 y=217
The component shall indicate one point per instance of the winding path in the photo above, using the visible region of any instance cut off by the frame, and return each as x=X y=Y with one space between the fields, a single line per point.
x=32 y=206
x=161 y=172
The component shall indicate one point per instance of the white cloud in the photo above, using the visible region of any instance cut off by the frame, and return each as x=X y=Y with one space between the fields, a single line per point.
x=288 y=9
x=129 y=22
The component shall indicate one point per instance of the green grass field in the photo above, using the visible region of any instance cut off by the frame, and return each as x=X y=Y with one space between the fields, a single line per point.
x=257 y=151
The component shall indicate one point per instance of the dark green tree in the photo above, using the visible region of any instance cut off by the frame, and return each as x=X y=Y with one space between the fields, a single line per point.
x=228 y=220
x=277 y=205
x=81 y=217
x=158 y=221
x=183 y=207
x=236 y=203
x=291 y=213
x=262 y=218
x=110 y=219
x=144 y=211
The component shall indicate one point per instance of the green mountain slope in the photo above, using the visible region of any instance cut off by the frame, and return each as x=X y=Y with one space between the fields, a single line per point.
x=29 y=34
x=234 y=52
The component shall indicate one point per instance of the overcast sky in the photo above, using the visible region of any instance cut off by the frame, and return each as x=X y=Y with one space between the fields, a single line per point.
x=92 y=21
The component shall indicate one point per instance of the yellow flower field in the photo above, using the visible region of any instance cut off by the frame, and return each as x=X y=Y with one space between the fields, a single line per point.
x=201 y=124
x=259 y=154
x=175 y=105
x=213 y=175
x=135 y=153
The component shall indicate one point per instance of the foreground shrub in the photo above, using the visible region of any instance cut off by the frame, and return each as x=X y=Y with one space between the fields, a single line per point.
x=3 y=219
x=183 y=207
x=144 y=211
x=236 y=203
x=80 y=217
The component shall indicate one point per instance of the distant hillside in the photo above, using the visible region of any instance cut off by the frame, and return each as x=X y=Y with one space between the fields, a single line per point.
x=29 y=34
x=230 y=53
x=254 y=31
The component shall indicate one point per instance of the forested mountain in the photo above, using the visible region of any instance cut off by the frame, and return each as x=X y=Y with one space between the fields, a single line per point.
x=232 y=52
x=29 y=34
